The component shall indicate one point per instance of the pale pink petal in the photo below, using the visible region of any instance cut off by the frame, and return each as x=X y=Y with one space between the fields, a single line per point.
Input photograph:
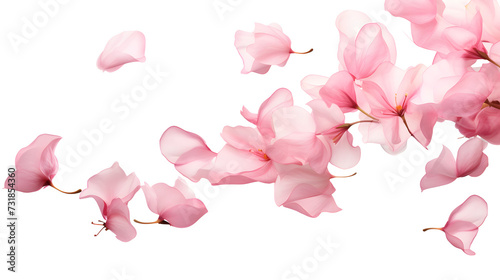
x=188 y=152
x=464 y=221
x=126 y=47
x=118 y=221
x=312 y=84
x=249 y=116
x=325 y=117
x=471 y=159
x=301 y=189
x=439 y=171
x=109 y=184
x=244 y=138
x=279 y=99
x=344 y=154
x=419 y=11
x=36 y=164
x=487 y=124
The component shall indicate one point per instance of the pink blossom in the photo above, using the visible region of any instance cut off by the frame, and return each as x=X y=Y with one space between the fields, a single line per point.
x=36 y=165
x=126 y=47
x=390 y=92
x=175 y=205
x=363 y=45
x=464 y=223
x=471 y=161
x=302 y=189
x=267 y=45
x=109 y=184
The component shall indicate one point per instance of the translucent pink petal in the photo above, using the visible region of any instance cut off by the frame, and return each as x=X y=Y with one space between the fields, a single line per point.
x=421 y=120
x=487 y=124
x=172 y=205
x=249 y=116
x=109 y=184
x=312 y=84
x=344 y=154
x=439 y=171
x=118 y=221
x=339 y=90
x=126 y=47
x=419 y=12
x=301 y=189
x=188 y=152
x=471 y=159
x=325 y=117
x=279 y=99
x=464 y=221
x=36 y=164
x=241 y=42
x=241 y=137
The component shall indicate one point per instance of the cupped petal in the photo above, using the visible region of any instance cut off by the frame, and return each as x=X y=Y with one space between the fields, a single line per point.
x=126 y=47
x=109 y=184
x=339 y=90
x=185 y=214
x=118 y=221
x=281 y=98
x=344 y=154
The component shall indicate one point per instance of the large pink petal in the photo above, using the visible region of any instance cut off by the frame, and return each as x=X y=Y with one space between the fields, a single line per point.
x=109 y=184
x=471 y=159
x=118 y=221
x=126 y=47
x=439 y=171
x=279 y=99
x=243 y=138
x=325 y=117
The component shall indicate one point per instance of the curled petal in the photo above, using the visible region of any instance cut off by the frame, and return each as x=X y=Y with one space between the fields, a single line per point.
x=118 y=221
x=439 y=171
x=470 y=158
x=126 y=47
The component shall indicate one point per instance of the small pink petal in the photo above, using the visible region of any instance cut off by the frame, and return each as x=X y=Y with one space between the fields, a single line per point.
x=339 y=90
x=118 y=221
x=126 y=47
x=312 y=84
x=344 y=154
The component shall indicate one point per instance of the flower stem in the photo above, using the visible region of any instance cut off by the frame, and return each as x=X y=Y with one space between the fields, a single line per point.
x=159 y=221
x=303 y=52
x=426 y=229
x=75 y=192
x=368 y=115
x=491 y=104
x=348 y=176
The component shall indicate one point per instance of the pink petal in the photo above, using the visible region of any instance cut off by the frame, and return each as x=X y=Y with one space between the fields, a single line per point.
x=126 y=47
x=339 y=90
x=244 y=138
x=344 y=154
x=279 y=99
x=171 y=204
x=419 y=12
x=325 y=117
x=312 y=84
x=464 y=221
x=36 y=164
x=188 y=152
x=118 y=221
x=488 y=125
x=109 y=184
x=301 y=189
x=471 y=159
x=241 y=42
x=439 y=171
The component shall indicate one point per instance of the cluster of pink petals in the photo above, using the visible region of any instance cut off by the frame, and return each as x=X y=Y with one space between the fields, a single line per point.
x=267 y=45
x=464 y=223
x=285 y=140
x=36 y=164
x=126 y=47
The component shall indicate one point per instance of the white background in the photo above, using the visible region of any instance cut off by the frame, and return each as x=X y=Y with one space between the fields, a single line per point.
x=50 y=84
